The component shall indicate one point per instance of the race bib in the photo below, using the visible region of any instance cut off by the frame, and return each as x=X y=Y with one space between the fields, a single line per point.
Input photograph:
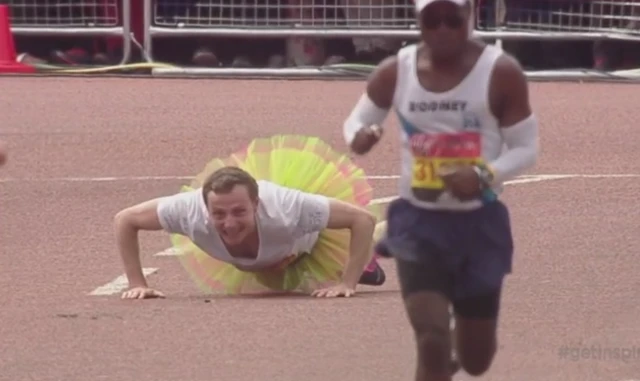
x=426 y=170
x=435 y=154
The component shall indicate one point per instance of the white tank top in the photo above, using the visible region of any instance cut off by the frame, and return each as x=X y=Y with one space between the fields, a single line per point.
x=289 y=223
x=440 y=129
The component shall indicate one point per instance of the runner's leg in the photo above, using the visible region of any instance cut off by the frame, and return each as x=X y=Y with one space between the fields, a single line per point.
x=425 y=290
x=476 y=331
x=420 y=242
x=489 y=252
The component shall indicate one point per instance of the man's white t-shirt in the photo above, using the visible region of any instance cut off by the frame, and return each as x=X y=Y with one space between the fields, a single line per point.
x=288 y=223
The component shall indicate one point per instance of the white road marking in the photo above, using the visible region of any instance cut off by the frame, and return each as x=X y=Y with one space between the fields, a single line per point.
x=383 y=177
x=173 y=178
x=520 y=180
x=606 y=176
x=170 y=252
x=119 y=284
x=94 y=179
x=130 y=179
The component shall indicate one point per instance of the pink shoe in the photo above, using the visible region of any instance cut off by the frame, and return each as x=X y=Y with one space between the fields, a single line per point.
x=373 y=275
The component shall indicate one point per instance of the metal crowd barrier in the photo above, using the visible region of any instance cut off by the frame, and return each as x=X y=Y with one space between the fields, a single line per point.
x=494 y=19
x=561 y=19
x=86 y=18
x=277 y=18
x=274 y=18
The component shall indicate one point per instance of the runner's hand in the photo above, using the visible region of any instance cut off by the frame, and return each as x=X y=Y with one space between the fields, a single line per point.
x=142 y=293
x=365 y=139
x=463 y=182
x=334 y=291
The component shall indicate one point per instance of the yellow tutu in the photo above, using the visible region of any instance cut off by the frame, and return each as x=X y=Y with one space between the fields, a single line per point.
x=304 y=163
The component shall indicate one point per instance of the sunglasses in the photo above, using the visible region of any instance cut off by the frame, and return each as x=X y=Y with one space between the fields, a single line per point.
x=450 y=21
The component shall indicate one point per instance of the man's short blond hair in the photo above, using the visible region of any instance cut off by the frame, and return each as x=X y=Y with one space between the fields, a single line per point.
x=225 y=179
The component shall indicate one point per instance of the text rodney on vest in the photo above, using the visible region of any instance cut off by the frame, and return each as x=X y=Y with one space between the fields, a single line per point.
x=437 y=106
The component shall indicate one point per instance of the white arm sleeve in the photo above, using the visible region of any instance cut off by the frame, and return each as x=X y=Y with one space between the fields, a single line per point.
x=523 y=145
x=179 y=212
x=364 y=114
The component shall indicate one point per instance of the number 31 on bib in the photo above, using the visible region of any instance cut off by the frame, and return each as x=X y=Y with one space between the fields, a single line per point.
x=426 y=171
x=436 y=154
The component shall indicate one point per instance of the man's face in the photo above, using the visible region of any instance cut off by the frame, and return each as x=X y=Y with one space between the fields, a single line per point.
x=444 y=28
x=233 y=214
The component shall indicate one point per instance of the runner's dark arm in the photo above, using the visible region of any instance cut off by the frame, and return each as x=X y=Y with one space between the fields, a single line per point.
x=372 y=108
x=510 y=92
x=382 y=83
x=509 y=97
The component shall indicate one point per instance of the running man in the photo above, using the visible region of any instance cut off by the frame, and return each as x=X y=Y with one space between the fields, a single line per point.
x=466 y=127
x=240 y=235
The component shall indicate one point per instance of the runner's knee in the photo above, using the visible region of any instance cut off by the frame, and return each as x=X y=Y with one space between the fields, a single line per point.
x=434 y=349
x=428 y=313
x=476 y=355
x=476 y=325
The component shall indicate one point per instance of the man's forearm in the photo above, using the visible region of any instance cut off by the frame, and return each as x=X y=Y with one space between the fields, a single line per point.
x=129 y=249
x=361 y=250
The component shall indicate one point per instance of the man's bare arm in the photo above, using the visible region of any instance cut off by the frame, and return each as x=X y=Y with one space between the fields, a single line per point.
x=128 y=222
x=362 y=224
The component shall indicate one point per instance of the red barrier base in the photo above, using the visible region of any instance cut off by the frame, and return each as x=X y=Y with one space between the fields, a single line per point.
x=8 y=61
x=15 y=68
